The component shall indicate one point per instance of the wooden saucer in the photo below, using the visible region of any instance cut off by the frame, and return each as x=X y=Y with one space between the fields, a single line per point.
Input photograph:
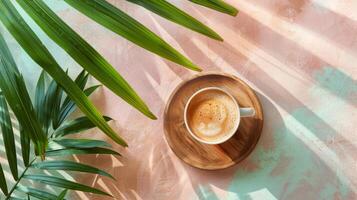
x=204 y=156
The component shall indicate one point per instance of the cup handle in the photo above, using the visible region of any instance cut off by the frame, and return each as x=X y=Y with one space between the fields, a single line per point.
x=247 y=112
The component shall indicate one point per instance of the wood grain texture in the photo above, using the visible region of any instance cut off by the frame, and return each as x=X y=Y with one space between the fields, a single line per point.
x=212 y=157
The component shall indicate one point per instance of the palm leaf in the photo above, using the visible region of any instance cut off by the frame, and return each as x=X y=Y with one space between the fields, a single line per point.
x=69 y=166
x=82 y=52
x=62 y=195
x=40 y=194
x=3 y=184
x=81 y=81
x=218 y=5
x=67 y=109
x=174 y=14
x=14 y=90
x=16 y=198
x=80 y=143
x=68 y=106
x=25 y=146
x=52 y=103
x=8 y=136
x=56 y=105
x=33 y=46
x=119 y=22
x=90 y=90
x=40 y=96
x=59 y=182
x=78 y=151
x=76 y=126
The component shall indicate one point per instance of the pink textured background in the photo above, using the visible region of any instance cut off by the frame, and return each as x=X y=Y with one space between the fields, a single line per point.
x=280 y=48
x=299 y=55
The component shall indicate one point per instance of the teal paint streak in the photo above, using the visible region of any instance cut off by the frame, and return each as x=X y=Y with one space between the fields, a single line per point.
x=336 y=82
x=58 y=5
x=206 y=193
x=285 y=182
x=289 y=169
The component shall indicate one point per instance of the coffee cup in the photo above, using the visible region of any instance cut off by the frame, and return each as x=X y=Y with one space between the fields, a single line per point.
x=212 y=115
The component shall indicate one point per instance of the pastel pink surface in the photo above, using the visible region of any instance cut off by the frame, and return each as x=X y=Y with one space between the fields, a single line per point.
x=288 y=51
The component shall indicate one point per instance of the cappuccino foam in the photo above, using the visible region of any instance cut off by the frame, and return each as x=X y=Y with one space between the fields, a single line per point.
x=212 y=115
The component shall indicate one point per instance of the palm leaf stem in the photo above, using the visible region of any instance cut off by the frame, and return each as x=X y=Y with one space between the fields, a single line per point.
x=19 y=179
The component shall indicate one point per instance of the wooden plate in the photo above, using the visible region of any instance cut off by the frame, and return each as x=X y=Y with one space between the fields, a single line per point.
x=212 y=157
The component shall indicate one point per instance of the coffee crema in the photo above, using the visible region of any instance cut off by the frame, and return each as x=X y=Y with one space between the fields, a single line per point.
x=212 y=115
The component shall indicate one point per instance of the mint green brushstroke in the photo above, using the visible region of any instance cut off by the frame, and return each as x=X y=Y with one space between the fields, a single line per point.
x=206 y=193
x=336 y=82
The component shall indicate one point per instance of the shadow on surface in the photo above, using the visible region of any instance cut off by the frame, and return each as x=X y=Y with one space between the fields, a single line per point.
x=281 y=165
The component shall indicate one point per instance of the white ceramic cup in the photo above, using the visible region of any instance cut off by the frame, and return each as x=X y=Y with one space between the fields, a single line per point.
x=243 y=112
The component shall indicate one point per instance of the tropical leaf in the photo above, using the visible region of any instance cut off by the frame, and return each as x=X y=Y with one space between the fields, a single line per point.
x=174 y=14
x=80 y=143
x=16 y=198
x=62 y=195
x=3 y=184
x=119 y=22
x=69 y=166
x=23 y=90
x=78 y=151
x=218 y=5
x=56 y=105
x=81 y=81
x=40 y=194
x=82 y=52
x=40 y=96
x=52 y=103
x=91 y=89
x=59 y=182
x=14 y=90
x=8 y=136
x=25 y=146
x=33 y=46
x=68 y=106
x=76 y=126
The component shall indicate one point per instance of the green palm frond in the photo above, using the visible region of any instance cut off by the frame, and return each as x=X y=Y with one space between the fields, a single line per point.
x=82 y=52
x=62 y=195
x=69 y=105
x=8 y=137
x=69 y=166
x=57 y=146
x=174 y=14
x=59 y=182
x=40 y=194
x=43 y=124
x=80 y=143
x=3 y=184
x=40 y=96
x=25 y=146
x=52 y=103
x=79 y=124
x=39 y=53
x=218 y=5
x=80 y=151
x=119 y=22
x=14 y=90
